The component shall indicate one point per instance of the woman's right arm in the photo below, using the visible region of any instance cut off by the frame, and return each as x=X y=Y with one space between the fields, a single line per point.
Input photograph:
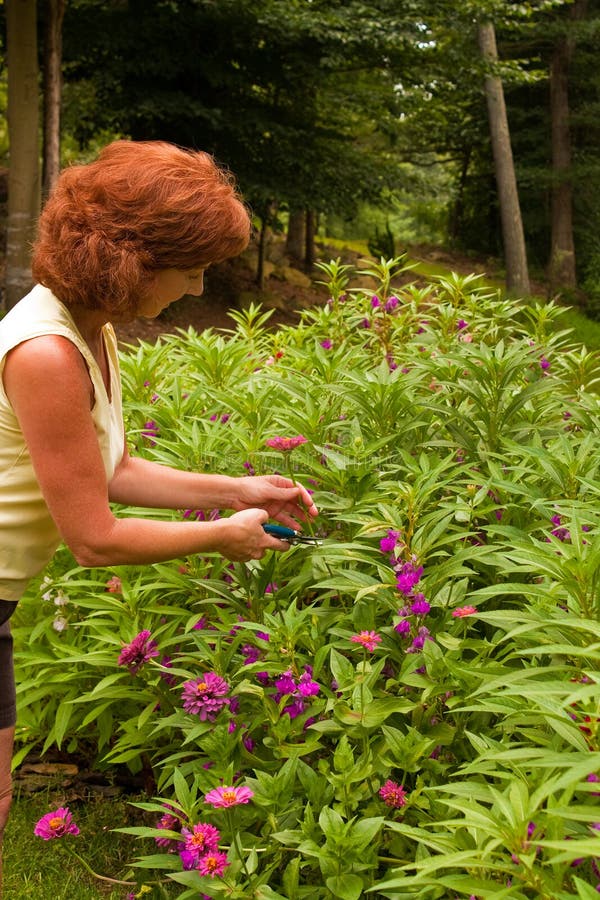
x=47 y=383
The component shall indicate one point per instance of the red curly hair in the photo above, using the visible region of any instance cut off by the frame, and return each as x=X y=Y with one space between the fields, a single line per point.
x=110 y=225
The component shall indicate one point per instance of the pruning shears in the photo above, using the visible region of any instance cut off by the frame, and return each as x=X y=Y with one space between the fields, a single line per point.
x=291 y=536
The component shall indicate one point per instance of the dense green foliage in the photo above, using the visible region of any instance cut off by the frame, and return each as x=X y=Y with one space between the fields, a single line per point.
x=414 y=703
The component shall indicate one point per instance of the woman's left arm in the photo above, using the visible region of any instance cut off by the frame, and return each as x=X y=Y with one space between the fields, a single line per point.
x=142 y=483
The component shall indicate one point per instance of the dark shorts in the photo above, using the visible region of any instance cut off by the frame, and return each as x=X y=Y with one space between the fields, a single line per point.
x=8 y=697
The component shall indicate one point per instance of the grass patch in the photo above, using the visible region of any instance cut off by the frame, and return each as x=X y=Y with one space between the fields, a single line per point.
x=38 y=869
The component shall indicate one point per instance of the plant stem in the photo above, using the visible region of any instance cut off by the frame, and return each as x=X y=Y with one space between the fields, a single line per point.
x=89 y=869
x=235 y=840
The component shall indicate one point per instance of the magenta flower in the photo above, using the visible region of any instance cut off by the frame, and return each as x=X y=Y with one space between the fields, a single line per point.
x=368 y=639
x=326 y=344
x=203 y=838
x=213 y=864
x=393 y=794
x=389 y=542
x=403 y=627
x=150 y=431
x=306 y=686
x=420 y=606
x=544 y=364
x=205 y=696
x=461 y=611
x=286 y=683
x=56 y=824
x=140 y=650
x=224 y=797
x=408 y=576
x=167 y=822
x=285 y=444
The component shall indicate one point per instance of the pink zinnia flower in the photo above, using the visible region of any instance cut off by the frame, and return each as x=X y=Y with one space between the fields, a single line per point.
x=368 y=639
x=285 y=444
x=203 y=838
x=56 y=824
x=167 y=822
x=114 y=585
x=463 y=611
x=213 y=864
x=140 y=650
x=205 y=696
x=223 y=797
x=393 y=794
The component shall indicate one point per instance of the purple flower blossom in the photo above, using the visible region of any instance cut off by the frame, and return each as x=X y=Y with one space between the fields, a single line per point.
x=420 y=606
x=403 y=627
x=389 y=542
x=140 y=650
x=544 y=364
x=150 y=431
x=461 y=324
x=286 y=683
x=407 y=577
x=205 y=696
x=375 y=302
x=391 y=304
x=307 y=687
x=326 y=344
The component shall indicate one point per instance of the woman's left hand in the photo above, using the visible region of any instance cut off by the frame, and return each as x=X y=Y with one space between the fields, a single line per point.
x=280 y=497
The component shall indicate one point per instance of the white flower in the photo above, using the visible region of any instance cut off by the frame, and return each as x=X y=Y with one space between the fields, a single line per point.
x=60 y=623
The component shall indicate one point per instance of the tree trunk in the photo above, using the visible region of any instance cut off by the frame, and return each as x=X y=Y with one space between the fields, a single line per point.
x=309 y=244
x=23 y=134
x=517 y=277
x=561 y=269
x=457 y=209
x=52 y=94
x=294 y=243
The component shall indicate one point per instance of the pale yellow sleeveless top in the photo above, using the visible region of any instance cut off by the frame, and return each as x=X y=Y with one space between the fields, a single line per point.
x=28 y=535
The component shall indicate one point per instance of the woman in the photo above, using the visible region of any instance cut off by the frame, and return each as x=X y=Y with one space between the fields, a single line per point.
x=119 y=238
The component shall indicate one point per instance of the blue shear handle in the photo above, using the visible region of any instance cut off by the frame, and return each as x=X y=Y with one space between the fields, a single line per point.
x=280 y=531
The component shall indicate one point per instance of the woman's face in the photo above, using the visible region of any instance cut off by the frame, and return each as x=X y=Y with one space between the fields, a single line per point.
x=170 y=285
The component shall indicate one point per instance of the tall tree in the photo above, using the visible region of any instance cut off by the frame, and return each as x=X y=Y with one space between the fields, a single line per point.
x=517 y=276
x=561 y=269
x=23 y=131
x=55 y=10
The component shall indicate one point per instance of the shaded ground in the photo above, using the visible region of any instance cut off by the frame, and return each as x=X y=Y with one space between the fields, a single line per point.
x=232 y=286
x=227 y=287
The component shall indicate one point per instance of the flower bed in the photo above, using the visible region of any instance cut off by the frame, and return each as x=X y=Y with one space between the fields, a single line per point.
x=409 y=709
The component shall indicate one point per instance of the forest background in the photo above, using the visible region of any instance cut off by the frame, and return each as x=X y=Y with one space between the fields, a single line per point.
x=469 y=124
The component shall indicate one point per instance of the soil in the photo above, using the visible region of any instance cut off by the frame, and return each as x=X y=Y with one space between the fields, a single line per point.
x=229 y=287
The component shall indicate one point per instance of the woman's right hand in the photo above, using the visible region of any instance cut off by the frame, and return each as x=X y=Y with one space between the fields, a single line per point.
x=242 y=537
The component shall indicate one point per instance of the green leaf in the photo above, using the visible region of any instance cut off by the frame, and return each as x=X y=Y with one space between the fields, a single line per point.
x=348 y=887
